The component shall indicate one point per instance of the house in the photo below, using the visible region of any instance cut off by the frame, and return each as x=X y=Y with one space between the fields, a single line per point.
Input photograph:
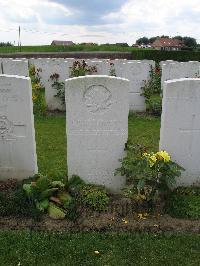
x=167 y=44
x=63 y=43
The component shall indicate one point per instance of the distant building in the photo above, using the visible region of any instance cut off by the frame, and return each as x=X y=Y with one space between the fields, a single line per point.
x=88 y=43
x=167 y=44
x=135 y=45
x=63 y=43
x=123 y=44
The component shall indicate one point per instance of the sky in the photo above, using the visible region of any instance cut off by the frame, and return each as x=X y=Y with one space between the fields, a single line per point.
x=99 y=21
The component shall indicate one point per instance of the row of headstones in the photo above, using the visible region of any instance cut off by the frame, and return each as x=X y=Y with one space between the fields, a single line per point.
x=97 y=129
x=134 y=70
x=176 y=70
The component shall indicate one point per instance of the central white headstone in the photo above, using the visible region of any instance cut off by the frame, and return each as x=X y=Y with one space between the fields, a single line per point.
x=17 y=135
x=180 y=126
x=97 y=128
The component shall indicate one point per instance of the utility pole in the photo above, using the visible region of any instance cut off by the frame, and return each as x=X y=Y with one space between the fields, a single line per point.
x=19 y=42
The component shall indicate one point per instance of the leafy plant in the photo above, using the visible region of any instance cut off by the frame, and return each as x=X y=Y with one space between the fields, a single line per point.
x=152 y=91
x=39 y=106
x=48 y=195
x=150 y=176
x=112 y=69
x=184 y=206
x=94 y=197
x=16 y=203
x=59 y=86
x=154 y=105
x=81 y=69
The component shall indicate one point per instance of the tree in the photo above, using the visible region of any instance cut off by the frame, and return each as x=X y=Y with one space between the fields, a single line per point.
x=189 y=41
x=6 y=44
x=152 y=39
x=143 y=40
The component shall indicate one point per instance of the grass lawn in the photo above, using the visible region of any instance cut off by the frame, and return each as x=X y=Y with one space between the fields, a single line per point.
x=39 y=248
x=51 y=140
x=33 y=248
x=71 y=48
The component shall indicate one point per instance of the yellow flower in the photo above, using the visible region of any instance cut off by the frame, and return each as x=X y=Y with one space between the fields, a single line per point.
x=142 y=216
x=145 y=154
x=152 y=160
x=34 y=97
x=124 y=221
x=163 y=155
x=97 y=252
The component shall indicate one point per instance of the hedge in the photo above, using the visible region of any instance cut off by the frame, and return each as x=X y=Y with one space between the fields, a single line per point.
x=158 y=56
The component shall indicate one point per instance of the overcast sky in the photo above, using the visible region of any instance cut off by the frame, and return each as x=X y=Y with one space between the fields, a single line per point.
x=98 y=21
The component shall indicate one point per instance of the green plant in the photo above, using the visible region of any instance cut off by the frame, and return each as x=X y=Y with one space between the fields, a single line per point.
x=154 y=105
x=59 y=86
x=39 y=107
x=17 y=204
x=150 y=176
x=152 y=91
x=81 y=69
x=184 y=202
x=112 y=69
x=94 y=197
x=49 y=195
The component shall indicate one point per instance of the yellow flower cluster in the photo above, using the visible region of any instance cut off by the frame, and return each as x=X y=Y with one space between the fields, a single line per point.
x=36 y=86
x=154 y=157
x=163 y=155
x=34 y=98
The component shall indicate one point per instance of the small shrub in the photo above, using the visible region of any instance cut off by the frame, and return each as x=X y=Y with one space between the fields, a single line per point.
x=184 y=202
x=49 y=196
x=17 y=204
x=154 y=105
x=94 y=197
x=82 y=69
x=152 y=91
x=59 y=86
x=149 y=176
x=38 y=92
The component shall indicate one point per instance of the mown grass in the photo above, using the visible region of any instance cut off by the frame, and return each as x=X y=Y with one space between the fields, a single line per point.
x=71 y=48
x=51 y=140
x=50 y=248
x=32 y=248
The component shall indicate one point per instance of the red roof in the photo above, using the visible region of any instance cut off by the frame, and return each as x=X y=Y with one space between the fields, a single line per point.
x=167 y=42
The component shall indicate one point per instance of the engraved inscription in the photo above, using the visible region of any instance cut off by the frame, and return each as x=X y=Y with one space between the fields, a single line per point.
x=97 y=98
x=6 y=126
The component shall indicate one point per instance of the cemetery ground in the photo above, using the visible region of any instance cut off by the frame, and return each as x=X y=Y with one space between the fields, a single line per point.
x=150 y=239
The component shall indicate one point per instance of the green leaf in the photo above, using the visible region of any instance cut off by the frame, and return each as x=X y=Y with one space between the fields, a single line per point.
x=141 y=184
x=47 y=193
x=55 y=212
x=58 y=184
x=42 y=205
x=28 y=189
x=65 y=198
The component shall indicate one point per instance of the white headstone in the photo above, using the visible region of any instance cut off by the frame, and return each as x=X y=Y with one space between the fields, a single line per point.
x=180 y=126
x=16 y=67
x=17 y=135
x=97 y=128
x=177 y=70
x=137 y=73
x=102 y=67
x=47 y=69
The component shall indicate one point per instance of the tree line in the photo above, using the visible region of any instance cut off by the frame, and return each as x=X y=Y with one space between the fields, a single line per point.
x=188 y=41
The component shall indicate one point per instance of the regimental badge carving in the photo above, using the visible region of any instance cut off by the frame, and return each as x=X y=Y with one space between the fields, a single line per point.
x=97 y=98
x=6 y=127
